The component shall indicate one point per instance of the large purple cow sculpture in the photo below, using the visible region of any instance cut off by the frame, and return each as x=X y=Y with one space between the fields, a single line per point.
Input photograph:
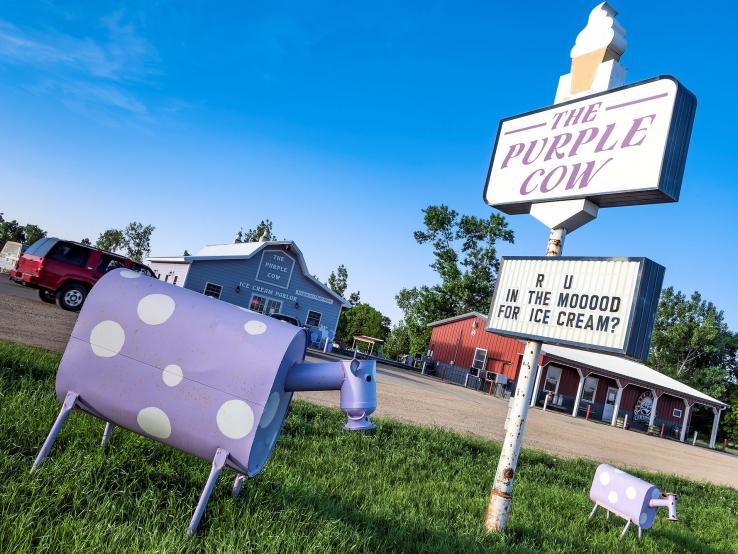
x=198 y=374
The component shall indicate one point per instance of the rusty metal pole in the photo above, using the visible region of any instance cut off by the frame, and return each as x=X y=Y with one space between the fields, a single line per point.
x=501 y=495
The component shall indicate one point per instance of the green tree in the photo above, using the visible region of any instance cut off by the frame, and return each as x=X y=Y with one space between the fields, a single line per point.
x=362 y=319
x=338 y=280
x=10 y=230
x=186 y=253
x=138 y=240
x=398 y=342
x=354 y=298
x=254 y=235
x=465 y=259
x=32 y=233
x=86 y=241
x=112 y=240
x=692 y=343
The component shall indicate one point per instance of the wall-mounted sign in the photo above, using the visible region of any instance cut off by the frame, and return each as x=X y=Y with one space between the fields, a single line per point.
x=604 y=304
x=621 y=147
x=643 y=407
x=275 y=268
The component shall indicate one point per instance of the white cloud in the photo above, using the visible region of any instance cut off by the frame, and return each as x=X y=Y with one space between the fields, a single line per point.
x=83 y=69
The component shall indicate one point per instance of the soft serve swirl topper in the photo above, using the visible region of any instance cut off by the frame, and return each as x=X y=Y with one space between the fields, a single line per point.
x=595 y=57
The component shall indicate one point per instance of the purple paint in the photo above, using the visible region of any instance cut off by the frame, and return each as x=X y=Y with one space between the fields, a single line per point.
x=195 y=373
x=629 y=497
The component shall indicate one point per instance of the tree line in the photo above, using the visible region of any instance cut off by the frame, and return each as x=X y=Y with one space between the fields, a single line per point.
x=134 y=240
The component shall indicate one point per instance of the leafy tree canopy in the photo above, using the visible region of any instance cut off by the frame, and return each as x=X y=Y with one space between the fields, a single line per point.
x=338 y=280
x=692 y=343
x=255 y=234
x=112 y=240
x=138 y=240
x=11 y=230
x=362 y=319
x=465 y=259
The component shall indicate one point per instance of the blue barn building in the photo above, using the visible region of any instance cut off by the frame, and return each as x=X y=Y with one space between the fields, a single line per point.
x=268 y=277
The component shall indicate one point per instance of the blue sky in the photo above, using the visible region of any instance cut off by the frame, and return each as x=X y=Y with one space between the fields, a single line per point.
x=340 y=121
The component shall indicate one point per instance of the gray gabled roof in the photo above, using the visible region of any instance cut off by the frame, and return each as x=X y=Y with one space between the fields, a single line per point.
x=247 y=250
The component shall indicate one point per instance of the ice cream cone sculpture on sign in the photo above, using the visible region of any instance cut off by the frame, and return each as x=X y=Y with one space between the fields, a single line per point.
x=595 y=56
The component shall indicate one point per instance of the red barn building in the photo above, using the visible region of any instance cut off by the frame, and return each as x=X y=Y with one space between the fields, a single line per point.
x=598 y=386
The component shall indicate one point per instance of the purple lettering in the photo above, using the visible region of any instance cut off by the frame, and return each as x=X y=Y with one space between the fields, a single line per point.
x=544 y=183
x=527 y=158
x=634 y=129
x=573 y=117
x=515 y=150
x=601 y=145
x=591 y=112
x=585 y=136
x=559 y=141
x=586 y=176
x=524 y=186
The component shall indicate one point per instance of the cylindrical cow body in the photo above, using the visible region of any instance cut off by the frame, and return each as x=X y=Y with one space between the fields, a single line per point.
x=182 y=368
x=624 y=495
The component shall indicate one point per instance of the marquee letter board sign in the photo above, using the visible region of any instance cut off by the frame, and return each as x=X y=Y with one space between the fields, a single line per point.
x=622 y=147
x=603 y=304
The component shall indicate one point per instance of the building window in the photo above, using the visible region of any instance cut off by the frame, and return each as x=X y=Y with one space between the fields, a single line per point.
x=313 y=319
x=264 y=305
x=212 y=290
x=590 y=389
x=166 y=278
x=676 y=413
x=480 y=359
x=273 y=307
x=553 y=376
x=174 y=282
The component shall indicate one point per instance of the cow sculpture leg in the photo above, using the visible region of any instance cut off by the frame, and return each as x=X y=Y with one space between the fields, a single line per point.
x=592 y=513
x=106 y=435
x=237 y=485
x=625 y=530
x=219 y=461
x=67 y=406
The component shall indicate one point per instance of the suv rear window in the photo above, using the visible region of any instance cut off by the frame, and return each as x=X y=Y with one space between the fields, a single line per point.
x=41 y=246
x=109 y=263
x=70 y=253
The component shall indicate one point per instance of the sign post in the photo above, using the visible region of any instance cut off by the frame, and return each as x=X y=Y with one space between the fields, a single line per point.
x=595 y=147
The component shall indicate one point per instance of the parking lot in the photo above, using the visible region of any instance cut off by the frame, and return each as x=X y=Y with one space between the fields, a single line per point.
x=410 y=397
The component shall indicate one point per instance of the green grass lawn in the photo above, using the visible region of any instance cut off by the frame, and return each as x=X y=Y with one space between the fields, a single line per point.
x=398 y=488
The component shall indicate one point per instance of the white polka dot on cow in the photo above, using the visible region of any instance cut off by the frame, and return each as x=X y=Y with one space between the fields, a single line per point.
x=630 y=492
x=172 y=375
x=605 y=478
x=235 y=419
x=107 y=338
x=643 y=519
x=155 y=309
x=270 y=409
x=153 y=421
x=612 y=497
x=254 y=327
x=128 y=274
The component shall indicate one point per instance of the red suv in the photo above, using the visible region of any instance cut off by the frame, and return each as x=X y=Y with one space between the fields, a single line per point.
x=65 y=271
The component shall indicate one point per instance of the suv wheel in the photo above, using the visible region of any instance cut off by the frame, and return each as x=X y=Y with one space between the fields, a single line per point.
x=71 y=297
x=47 y=295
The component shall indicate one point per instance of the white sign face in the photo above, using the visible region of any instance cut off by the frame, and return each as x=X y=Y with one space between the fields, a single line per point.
x=606 y=304
x=626 y=146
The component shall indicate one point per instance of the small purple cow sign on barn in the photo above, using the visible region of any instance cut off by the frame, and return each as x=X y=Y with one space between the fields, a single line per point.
x=629 y=497
x=198 y=374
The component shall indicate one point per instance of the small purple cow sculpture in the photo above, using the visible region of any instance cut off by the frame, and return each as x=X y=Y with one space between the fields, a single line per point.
x=198 y=374
x=629 y=497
